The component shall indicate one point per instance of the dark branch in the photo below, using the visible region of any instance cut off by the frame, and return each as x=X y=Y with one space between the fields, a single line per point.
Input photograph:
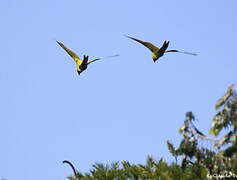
x=71 y=165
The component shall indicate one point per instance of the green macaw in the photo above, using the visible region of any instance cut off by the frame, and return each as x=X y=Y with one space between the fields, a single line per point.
x=81 y=64
x=158 y=52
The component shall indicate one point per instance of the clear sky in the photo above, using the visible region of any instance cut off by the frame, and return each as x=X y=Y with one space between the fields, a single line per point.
x=123 y=108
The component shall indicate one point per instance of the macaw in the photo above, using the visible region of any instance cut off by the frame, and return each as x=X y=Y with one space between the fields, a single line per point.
x=81 y=64
x=158 y=52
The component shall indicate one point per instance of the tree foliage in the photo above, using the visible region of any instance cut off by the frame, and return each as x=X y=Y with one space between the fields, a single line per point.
x=192 y=159
x=223 y=156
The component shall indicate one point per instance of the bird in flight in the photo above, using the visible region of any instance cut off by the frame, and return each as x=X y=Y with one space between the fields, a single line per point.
x=158 y=52
x=81 y=63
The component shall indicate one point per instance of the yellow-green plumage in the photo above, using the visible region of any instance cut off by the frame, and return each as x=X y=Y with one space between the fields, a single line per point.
x=81 y=64
x=157 y=52
x=71 y=53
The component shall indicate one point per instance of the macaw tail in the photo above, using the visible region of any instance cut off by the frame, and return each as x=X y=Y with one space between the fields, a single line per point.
x=110 y=56
x=183 y=52
x=194 y=54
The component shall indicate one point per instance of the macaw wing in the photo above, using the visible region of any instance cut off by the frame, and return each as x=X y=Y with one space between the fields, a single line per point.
x=74 y=56
x=150 y=46
x=173 y=50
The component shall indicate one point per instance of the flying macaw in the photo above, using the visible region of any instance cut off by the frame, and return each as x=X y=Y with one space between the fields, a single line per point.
x=158 y=52
x=81 y=64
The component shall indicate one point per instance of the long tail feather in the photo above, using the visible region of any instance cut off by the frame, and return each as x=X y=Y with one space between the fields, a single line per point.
x=183 y=52
x=190 y=53
x=109 y=56
x=106 y=57
x=91 y=61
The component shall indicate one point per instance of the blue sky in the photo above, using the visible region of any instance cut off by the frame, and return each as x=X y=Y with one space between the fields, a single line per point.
x=123 y=108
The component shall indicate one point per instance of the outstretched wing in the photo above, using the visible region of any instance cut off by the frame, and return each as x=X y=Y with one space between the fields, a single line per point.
x=74 y=56
x=194 y=54
x=150 y=46
x=97 y=59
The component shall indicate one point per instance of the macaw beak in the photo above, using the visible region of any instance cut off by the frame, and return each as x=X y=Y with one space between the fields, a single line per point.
x=78 y=73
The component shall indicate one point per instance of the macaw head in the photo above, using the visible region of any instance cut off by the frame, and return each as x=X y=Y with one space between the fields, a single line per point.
x=154 y=57
x=79 y=71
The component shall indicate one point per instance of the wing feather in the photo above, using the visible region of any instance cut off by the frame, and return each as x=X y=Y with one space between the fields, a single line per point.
x=150 y=46
x=74 y=56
